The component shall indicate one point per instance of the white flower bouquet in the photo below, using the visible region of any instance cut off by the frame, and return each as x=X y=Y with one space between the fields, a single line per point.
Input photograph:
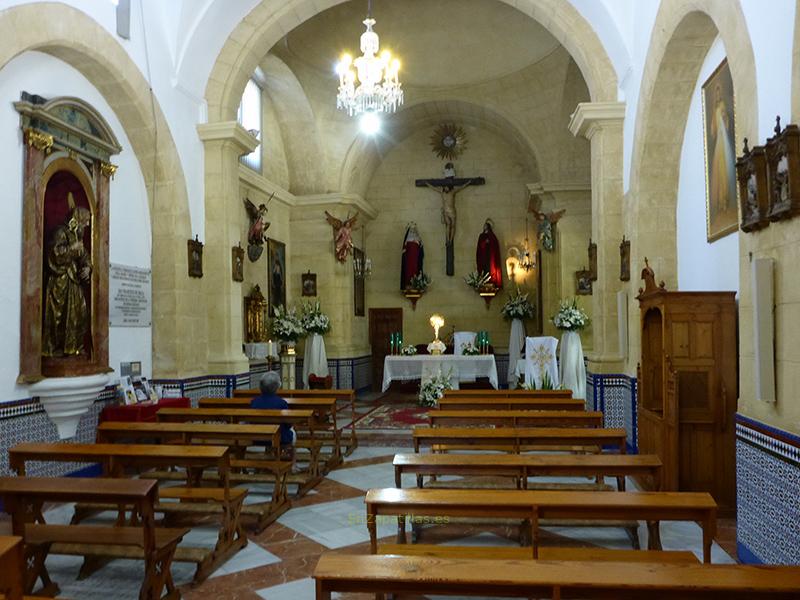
x=287 y=326
x=420 y=282
x=477 y=280
x=570 y=316
x=431 y=391
x=517 y=307
x=314 y=320
x=408 y=350
x=469 y=349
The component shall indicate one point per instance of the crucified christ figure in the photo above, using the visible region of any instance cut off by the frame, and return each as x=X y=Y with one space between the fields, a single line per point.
x=448 y=193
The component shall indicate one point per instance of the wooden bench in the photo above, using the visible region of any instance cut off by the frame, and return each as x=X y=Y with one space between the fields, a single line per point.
x=12 y=559
x=420 y=575
x=515 y=418
x=23 y=498
x=522 y=466
x=518 y=393
x=188 y=501
x=325 y=417
x=306 y=480
x=527 y=505
x=235 y=435
x=517 y=439
x=347 y=396
x=503 y=403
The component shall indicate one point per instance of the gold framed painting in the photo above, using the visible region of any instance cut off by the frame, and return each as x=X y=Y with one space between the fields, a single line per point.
x=719 y=141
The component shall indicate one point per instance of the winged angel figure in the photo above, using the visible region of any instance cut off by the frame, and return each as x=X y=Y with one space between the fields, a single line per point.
x=342 y=234
x=546 y=223
x=256 y=234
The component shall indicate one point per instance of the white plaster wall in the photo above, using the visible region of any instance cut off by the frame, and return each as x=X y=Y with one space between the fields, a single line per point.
x=129 y=220
x=701 y=266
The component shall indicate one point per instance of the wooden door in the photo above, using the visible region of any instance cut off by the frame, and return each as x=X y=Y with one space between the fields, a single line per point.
x=383 y=322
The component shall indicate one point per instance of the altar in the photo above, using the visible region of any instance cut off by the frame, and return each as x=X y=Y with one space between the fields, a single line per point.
x=458 y=368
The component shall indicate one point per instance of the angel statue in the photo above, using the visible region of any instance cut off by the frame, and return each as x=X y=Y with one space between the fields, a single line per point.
x=546 y=222
x=342 y=234
x=256 y=234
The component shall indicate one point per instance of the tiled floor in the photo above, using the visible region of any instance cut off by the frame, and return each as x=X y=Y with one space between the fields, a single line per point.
x=277 y=563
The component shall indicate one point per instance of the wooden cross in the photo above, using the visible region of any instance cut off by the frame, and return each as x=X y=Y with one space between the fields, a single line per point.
x=450 y=186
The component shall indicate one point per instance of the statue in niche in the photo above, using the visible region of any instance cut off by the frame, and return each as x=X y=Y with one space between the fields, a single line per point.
x=546 y=222
x=69 y=271
x=413 y=256
x=342 y=234
x=487 y=255
x=256 y=234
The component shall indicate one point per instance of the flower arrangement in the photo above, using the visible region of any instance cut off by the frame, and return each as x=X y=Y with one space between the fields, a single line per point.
x=477 y=280
x=287 y=326
x=431 y=391
x=570 y=316
x=517 y=307
x=408 y=350
x=469 y=349
x=420 y=282
x=314 y=320
x=547 y=383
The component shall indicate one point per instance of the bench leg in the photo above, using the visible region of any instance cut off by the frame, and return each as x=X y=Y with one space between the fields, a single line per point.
x=633 y=536
x=158 y=576
x=653 y=535
x=34 y=559
x=91 y=565
x=401 y=529
x=231 y=539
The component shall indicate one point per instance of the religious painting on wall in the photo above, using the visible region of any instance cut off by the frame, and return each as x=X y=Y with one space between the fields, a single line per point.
x=583 y=282
x=722 y=215
x=593 y=259
x=237 y=263
x=625 y=260
x=309 y=284
x=276 y=274
x=195 y=257
x=358 y=286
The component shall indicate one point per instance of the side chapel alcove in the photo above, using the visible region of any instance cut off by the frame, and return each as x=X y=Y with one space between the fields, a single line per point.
x=64 y=317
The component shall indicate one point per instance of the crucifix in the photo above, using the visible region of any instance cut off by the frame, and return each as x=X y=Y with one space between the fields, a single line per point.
x=448 y=186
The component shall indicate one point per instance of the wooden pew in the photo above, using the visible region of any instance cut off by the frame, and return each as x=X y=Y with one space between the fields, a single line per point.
x=421 y=575
x=235 y=435
x=522 y=466
x=515 y=418
x=516 y=439
x=325 y=416
x=23 y=498
x=348 y=396
x=12 y=559
x=527 y=505
x=299 y=418
x=519 y=393
x=503 y=403
x=223 y=501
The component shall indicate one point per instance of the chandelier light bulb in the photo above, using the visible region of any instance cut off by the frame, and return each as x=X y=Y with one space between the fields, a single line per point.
x=370 y=123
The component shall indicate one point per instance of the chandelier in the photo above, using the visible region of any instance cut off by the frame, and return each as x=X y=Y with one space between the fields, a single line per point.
x=378 y=88
x=362 y=264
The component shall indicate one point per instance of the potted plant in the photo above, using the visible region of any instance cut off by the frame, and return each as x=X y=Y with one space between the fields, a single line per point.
x=516 y=309
x=316 y=324
x=432 y=390
x=416 y=288
x=287 y=326
x=482 y=283
x=570 y=319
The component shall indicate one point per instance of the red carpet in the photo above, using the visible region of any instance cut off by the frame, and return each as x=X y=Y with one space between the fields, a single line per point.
x=394 y=416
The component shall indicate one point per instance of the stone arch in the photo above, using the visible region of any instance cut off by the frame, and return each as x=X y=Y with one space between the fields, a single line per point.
x=682 y=36
x=305 y=153
x=71 y=36
x=268 y=22
x=364 y=155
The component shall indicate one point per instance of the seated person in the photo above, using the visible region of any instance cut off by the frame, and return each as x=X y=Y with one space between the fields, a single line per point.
x=269 y=384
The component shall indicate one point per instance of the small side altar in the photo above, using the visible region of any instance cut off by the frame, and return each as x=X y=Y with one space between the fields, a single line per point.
x=458 y=368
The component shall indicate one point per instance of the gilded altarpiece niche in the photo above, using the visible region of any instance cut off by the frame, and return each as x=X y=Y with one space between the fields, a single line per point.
x=64 y=317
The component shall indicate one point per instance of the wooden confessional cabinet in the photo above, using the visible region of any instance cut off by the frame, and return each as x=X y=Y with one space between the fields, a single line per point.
x=688 y=388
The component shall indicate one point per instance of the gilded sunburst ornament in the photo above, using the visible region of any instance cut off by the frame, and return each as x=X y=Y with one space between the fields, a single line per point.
x=448 y=141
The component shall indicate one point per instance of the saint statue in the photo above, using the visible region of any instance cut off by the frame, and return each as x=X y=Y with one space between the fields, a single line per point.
x=487 y=255
x=413 y=255
x=69 y=271
x=342 y=234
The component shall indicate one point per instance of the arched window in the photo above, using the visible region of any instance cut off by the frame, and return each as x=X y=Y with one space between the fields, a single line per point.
x=250 y=118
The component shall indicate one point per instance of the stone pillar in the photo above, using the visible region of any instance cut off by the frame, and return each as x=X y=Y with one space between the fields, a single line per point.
x=601 y=123
x=224 y=143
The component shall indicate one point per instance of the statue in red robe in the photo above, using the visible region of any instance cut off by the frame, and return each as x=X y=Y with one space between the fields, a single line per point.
x=488 y=255
x=413 y=254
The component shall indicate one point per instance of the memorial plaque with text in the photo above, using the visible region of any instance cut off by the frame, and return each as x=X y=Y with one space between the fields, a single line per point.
x=130 y=303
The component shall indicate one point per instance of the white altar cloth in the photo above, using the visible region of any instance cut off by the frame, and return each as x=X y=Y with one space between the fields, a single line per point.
x=460 y=368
